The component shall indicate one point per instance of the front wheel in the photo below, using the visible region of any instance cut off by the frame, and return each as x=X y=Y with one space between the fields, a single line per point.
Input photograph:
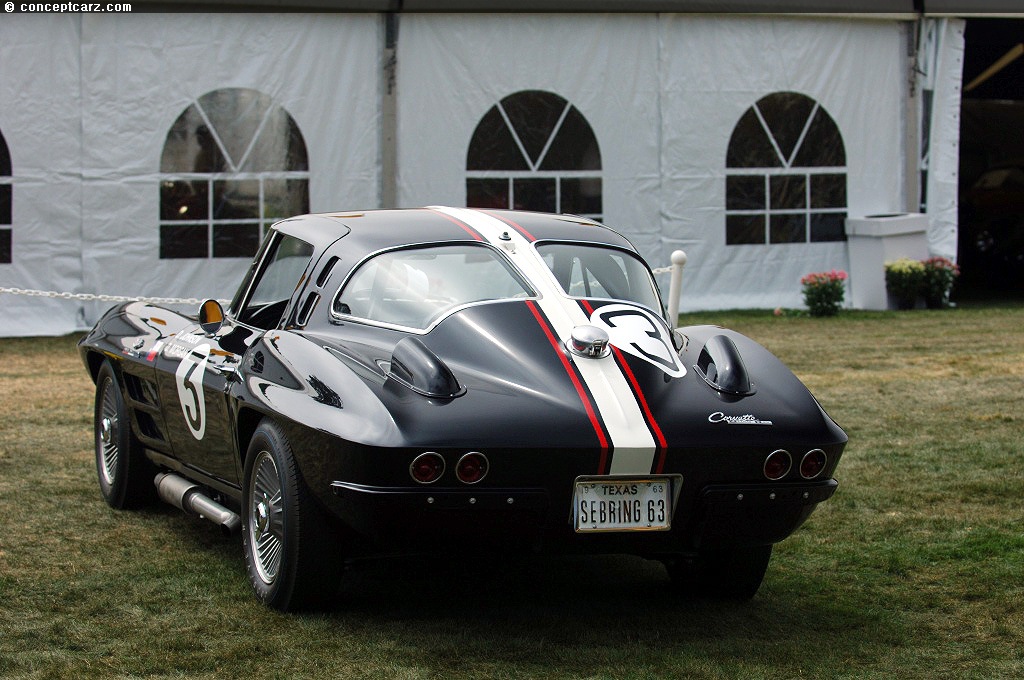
x=727 y=574
x=290 y=553
x=125 y=474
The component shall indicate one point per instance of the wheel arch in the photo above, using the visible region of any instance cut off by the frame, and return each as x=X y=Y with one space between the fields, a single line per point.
x=247 y=422
x=94 y=360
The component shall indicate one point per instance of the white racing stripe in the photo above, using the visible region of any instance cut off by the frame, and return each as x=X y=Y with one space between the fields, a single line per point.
x=633 y=446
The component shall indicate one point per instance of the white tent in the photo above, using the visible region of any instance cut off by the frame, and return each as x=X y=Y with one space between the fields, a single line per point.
x=95 y=112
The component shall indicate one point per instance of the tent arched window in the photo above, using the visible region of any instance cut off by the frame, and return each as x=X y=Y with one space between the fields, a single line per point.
x=785 y=174
x=6 y=197
x=233 y=163
x=534 y=150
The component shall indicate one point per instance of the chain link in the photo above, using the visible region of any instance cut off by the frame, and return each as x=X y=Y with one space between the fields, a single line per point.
x=91 y=297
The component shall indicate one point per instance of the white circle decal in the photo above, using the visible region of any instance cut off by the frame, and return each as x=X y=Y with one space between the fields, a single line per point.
x=189 y=379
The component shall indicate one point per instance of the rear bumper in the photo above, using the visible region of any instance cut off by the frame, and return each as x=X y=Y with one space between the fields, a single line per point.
x=403 y=520
x=729 y=515
x=810 y=493
x=427 y=499
x=428 y=519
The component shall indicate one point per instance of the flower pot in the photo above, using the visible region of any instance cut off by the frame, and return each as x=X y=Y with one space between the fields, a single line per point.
x=905 y=303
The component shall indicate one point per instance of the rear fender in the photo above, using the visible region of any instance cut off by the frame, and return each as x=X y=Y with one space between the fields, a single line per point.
x=290 y=377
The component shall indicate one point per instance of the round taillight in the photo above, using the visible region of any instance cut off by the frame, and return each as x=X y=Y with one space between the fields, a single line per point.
x=813 y=463
x=777 y=465
x=472 y=467
x=427 y=468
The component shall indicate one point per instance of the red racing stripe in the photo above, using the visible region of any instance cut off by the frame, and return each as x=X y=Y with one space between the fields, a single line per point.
x=602 y=438
x=465 y=227
x=652 y=423
x=521 y=230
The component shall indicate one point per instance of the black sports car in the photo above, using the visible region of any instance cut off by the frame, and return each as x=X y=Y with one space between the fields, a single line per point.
x=447 y=379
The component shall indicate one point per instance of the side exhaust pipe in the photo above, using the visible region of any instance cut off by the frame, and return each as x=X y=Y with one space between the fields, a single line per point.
x=187 y=496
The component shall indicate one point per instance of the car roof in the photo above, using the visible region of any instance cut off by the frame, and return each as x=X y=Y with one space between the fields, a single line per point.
x=372 y=230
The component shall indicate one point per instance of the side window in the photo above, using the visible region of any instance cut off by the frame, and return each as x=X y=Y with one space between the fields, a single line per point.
x=233 y=163
x=534 y=150
x=280 y=276
x=785 y=174
x=6 y=198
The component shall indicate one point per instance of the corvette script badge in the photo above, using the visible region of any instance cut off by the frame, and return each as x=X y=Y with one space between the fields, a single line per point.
x=748 y=419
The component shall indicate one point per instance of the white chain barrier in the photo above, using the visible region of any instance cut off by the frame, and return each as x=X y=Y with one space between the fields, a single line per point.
x=91 y=297
x=676 y=269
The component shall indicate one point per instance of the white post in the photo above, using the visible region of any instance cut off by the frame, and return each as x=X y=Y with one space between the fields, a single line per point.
x=675 y=287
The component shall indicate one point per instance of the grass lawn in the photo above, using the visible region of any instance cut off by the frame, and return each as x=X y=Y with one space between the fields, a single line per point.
x=915 y=569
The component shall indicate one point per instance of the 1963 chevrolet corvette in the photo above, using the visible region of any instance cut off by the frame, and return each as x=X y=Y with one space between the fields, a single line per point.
x=457 y=380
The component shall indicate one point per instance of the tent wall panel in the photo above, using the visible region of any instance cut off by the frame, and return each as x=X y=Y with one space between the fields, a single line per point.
x=40 y=117
x=143 y=75
x=454 y=68
x=713 y=70
x=939 y=77
x=87 y=103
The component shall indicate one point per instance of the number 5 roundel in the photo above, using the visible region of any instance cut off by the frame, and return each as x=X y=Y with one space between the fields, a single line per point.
x=189 y=380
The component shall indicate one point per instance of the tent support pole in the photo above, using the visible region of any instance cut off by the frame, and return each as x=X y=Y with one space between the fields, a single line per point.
x=389 y=114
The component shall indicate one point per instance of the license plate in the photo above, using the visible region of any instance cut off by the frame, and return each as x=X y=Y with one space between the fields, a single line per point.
x=622 y=504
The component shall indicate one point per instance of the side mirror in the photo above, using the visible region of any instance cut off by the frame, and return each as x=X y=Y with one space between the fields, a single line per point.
x=211 y=317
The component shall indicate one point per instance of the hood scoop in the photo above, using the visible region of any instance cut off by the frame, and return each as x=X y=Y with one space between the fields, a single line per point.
x=722 y=367
x=416 y=367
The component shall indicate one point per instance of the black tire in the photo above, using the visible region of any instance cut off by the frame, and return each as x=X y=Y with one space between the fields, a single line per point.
x=726 y=574
x=125 y=474
x=291 y=554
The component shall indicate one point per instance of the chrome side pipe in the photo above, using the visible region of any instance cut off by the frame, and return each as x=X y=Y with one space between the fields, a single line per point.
x=188 y=496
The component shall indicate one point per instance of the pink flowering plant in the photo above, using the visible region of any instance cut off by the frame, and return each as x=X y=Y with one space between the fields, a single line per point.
x=939 y=274
x=824 y=291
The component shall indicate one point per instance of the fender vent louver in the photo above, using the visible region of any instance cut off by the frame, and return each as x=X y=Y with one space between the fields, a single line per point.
x=302 y=318
x=148 y=426
x=722 y=367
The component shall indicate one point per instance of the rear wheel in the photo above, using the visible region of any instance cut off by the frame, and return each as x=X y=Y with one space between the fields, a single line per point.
x=728 y=574
x=291 y=553
x=125 y=474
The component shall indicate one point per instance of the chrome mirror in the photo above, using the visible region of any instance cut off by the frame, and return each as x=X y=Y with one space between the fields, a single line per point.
x=211 y=317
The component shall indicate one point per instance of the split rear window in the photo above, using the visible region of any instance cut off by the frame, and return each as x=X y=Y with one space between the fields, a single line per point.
x=414 y=287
